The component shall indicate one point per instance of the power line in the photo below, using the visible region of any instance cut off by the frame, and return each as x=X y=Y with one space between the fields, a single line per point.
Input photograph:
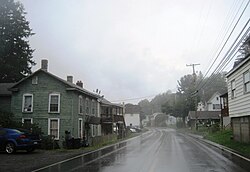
x=136 y=98
x=229 y=55
x=223 y=37
x=225 y=43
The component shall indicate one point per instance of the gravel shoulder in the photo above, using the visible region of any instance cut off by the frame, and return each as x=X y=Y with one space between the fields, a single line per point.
x=23 y=161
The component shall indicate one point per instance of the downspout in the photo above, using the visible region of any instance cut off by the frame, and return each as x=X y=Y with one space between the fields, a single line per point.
x=72 y=115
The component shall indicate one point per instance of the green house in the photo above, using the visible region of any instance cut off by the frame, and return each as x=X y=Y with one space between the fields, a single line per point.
x=56 y=105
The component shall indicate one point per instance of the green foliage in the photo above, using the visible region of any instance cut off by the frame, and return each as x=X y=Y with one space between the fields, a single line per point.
x=7 y=121
x=214 y=128
x=225 y=138
x=49 y=143
x=15 y=52
x=217 y=83
x=180 y=124
x=145 y=106
x=245 y=47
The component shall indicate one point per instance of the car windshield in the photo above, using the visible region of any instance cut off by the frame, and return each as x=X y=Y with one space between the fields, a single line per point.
x=130 y=85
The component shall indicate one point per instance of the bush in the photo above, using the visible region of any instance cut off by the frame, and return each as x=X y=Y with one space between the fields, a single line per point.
x=180 y=124
x=214 y=128
x=48 y=143
x=7 y=121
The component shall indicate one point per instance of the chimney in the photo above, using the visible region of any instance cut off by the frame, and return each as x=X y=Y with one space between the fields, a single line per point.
x=70 y=79
x=79 y=83
x=44 y=65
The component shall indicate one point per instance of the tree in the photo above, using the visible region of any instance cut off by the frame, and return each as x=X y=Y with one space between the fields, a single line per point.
x=244 y=51
x=245 y=47
x=15 y=51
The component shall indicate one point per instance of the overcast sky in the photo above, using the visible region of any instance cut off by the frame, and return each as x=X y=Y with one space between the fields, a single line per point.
x=129 y=48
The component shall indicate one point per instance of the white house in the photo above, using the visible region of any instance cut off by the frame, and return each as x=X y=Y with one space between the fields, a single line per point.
x=213 y=104
x=238 y=81
x=132 y=120
x=132 y=115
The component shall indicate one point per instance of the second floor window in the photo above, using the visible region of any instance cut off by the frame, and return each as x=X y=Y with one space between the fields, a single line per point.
x=233 y=89
x=247 y=82
x=54 y=103
x=87 y=106
x=27 y=103
x=80 y=105
x=93 y=107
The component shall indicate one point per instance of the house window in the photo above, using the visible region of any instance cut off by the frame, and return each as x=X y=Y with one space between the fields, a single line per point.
x=233 y=89
x=35 y=80
x=216 y=106
x=87 y=106
x=80 y=132
x=27 y=121
x=27 y=103
x=93 y=130
x=80 y=105
x=246 y=81
x=53 y=127
x=93 y=107
x=54 y=103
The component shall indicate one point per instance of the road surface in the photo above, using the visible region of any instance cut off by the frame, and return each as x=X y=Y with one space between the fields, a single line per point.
x=159 y=150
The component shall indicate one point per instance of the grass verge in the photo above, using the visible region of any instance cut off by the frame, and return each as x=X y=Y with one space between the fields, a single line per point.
x=225 y=138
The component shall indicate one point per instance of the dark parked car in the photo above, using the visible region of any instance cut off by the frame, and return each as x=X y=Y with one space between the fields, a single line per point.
x=12 y=140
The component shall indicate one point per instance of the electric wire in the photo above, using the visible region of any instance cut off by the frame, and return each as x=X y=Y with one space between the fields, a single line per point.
x=225 y=42
x=229 y=55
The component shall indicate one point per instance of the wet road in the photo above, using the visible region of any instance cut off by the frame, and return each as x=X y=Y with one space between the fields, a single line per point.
x=160 y=150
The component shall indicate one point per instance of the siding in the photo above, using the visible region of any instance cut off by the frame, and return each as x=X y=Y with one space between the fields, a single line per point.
x=41 y=91
x=240 y=105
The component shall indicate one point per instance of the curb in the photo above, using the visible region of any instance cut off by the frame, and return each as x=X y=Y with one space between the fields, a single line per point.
x=90 y=152
x=224 y=148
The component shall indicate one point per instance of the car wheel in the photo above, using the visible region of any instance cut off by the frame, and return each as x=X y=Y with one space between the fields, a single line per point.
x=10 y=148
x=30 y=150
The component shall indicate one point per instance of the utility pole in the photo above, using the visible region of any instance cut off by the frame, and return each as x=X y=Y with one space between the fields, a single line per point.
x=192 y=65
x=195 y=94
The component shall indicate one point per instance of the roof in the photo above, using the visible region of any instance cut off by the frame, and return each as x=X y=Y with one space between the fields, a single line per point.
x=4 y=89
x=105 y=102
x=72 y=86
x=204 y=114
x=238 y=66
x=132 y=109
x=214 y=95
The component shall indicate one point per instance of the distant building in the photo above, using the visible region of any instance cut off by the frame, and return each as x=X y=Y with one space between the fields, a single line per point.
x=213 y=104
x=132 y=115
x=203 y=117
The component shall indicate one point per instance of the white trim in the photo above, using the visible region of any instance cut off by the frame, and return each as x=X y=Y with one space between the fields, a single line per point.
x=93 y=130
x=80 y=135
x=246 y=82
x=59 y=102
x=25 y=95
x=31 y=120
x=58 y=126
